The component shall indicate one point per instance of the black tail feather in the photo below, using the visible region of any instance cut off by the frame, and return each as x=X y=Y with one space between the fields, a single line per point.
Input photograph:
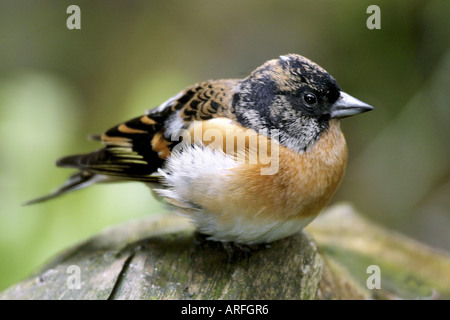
x=128 y=155
x=76 y=181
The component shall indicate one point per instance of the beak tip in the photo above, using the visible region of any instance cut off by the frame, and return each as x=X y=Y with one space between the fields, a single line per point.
x=347 y=106
x=367 y=108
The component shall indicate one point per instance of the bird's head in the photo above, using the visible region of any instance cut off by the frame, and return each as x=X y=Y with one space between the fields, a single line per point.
x=294 y=96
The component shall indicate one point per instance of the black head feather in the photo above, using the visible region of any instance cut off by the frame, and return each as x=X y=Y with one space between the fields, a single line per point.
x=291 y=96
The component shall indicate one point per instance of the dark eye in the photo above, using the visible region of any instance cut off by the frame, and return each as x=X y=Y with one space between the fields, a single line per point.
x=309 y=98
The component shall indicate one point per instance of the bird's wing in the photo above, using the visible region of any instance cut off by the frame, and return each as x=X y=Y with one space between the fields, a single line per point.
x=135 y=149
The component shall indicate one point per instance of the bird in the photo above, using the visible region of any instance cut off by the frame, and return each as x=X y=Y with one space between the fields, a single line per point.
x=249 y=161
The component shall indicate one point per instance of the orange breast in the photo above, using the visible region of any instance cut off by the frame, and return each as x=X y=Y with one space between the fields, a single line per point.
x=304 y=183
x=299 y=188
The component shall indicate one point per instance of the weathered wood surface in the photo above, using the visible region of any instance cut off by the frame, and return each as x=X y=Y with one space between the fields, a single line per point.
x=163 y=258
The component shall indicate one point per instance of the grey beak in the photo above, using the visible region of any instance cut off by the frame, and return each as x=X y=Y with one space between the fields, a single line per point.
x=347 y=106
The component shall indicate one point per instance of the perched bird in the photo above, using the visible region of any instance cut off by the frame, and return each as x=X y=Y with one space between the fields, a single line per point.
x=249 y=160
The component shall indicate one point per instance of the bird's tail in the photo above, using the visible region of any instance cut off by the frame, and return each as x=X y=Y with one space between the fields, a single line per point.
x=127 y=155
x=79 y=180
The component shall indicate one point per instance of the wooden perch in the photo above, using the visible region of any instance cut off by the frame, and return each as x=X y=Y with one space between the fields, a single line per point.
x=163 y=258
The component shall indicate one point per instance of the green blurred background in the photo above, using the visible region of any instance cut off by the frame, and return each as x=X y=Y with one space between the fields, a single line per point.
x=58 y=85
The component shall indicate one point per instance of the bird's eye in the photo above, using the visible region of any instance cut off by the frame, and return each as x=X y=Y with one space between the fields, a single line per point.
x=309 y=98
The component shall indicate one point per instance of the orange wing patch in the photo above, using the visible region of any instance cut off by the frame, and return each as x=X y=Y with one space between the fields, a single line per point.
x=148 y=120
x=117 y=141
x=161 y=145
